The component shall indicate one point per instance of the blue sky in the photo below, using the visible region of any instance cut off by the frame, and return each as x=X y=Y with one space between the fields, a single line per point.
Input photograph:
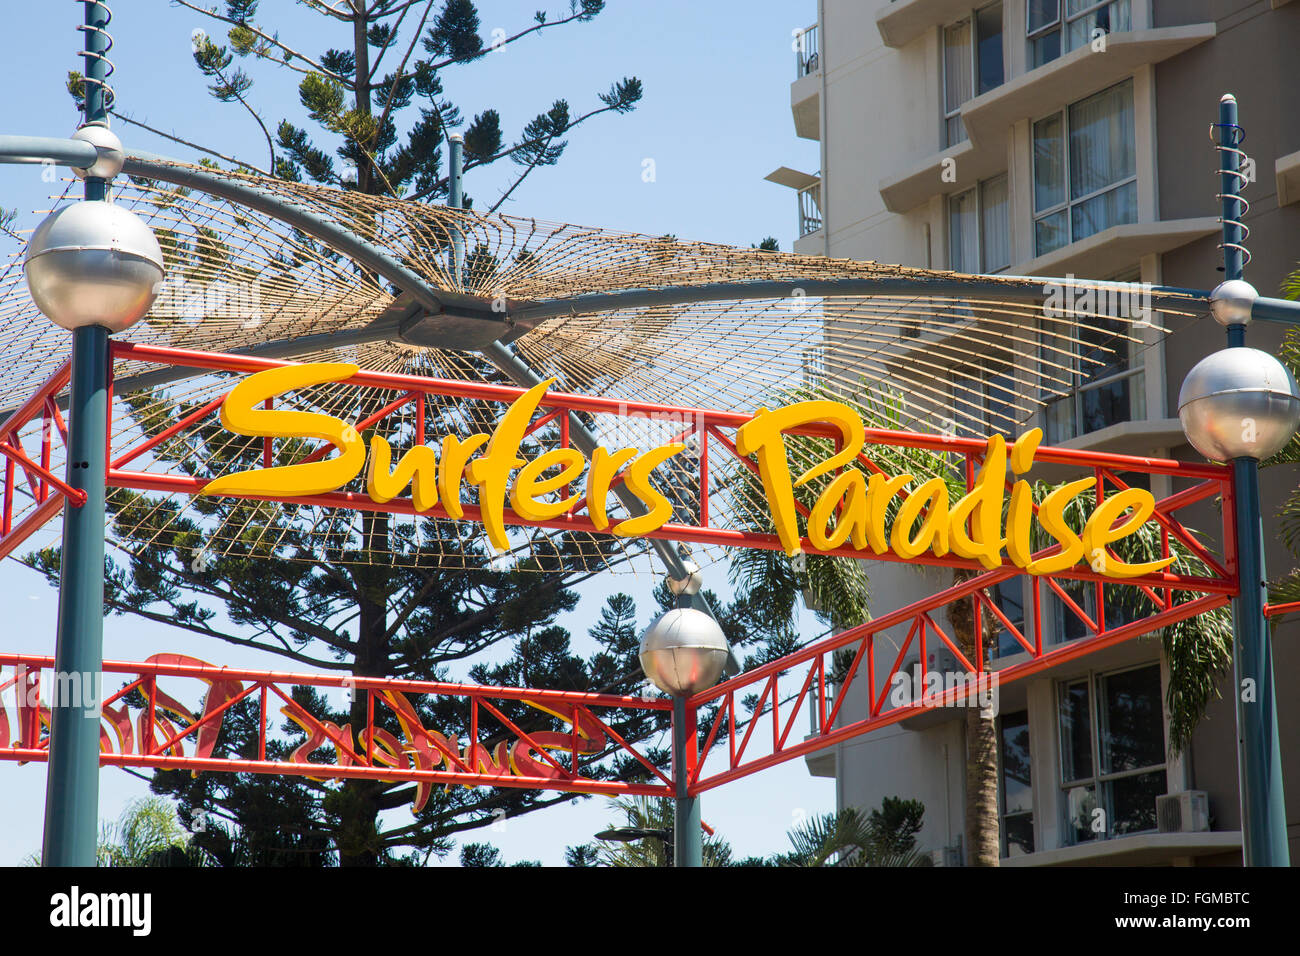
x=714 y=120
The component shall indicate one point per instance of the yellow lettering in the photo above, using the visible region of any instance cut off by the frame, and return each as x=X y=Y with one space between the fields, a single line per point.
x=1101 y=530
x=491 y=470
x=982 y=505
x=239 y=414
x=851 y=489
x=604 y=466
x=451 y=470
x=418 y=468
x=530 y=485
x=762 y=435
x=933 y=533
x=880 y=492
x=1051 y=515
x=638 y=482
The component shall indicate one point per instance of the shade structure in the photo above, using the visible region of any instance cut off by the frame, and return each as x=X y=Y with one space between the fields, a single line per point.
x=634 y=318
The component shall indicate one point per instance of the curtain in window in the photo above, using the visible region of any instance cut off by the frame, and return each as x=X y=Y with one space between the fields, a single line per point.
x=1112 y=18
x=1102 y=150
x=995 y=230
x=957 y=73
x=963 y=233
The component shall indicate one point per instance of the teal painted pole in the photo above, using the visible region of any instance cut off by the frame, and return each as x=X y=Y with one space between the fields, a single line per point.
x=688 y=841
x=1259 y=753
x=72 y=782
x=456 y=200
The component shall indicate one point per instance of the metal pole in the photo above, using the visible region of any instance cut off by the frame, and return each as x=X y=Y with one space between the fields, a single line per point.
x=72 y=787
x=456 y=200
x=1259 y=754
x=688 y=842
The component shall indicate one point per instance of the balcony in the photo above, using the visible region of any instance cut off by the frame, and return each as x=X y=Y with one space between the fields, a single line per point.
x=805 y=91
x=1141 y=849
x=915 y=185
x=809 y=190
x=903 y=21
x=989 y=117
x=1118 y=248
x=1287 y=172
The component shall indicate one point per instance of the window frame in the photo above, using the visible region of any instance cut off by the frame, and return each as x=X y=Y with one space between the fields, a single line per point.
x=1067 y=204
x=1061 y=25
x=1003 y=814
x=1099 y=780
x=1136 y=368
x=971 y=18
x=980 y=244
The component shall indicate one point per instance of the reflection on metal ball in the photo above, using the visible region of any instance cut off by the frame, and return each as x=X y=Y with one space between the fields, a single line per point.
x=94 y=263
x=1231 y=302
x=683 y=652
x=1239 y=403
x=690 y=584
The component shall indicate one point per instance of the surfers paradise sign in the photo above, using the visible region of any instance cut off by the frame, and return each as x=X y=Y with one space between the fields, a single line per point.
x=852 y=509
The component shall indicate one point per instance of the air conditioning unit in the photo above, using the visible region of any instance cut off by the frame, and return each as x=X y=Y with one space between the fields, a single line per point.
x=1185 y=812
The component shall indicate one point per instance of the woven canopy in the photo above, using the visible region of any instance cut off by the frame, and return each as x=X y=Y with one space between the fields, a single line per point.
x=582 y=305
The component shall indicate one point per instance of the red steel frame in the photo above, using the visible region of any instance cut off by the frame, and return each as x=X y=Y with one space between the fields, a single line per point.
x=1172 y=596
x=369 y=753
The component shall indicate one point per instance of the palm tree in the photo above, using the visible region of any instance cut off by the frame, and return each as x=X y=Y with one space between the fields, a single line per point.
x=1286 y=588
x=1198 y=649
x=146 y=834
x=654 y=814
x=885 y=837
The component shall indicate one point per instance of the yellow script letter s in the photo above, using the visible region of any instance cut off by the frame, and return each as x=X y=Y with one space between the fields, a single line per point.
x=240 y=414
x=761 y=435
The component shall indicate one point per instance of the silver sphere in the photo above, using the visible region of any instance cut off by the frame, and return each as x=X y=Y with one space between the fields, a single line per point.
x=1231 y=302
x=1239 y=403
x=683 y=652
x=111 y=157
x=690 y=584
x=94 y=263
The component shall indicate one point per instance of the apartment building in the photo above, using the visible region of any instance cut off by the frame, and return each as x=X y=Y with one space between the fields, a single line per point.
x=1058 y=137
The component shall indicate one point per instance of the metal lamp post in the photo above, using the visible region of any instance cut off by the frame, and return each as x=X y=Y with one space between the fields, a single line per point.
x=682 y=653
x=92 y=268
x=1242 y=405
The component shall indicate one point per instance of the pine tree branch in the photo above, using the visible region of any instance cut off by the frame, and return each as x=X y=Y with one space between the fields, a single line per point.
x=270 y=145
x=535 y=28
x=185 y=142
x=473 y=164
x=290 y=53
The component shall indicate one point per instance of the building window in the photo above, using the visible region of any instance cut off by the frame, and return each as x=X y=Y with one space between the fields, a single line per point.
x=979 y=232
x=988 y=402
x=1054 y=24
x=1112 y=753
x=1016 y=790
x=1085 y=169
x=1107 y=360
x=972 y=64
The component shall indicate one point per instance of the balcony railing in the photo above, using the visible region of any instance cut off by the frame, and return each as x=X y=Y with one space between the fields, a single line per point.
x=810 y=209
x=806 y=59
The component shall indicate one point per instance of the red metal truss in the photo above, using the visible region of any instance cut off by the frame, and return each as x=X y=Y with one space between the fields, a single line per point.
x=157 y=727
x=37 y=484
x=709 y=426
x=783 y=692
x=157 y=734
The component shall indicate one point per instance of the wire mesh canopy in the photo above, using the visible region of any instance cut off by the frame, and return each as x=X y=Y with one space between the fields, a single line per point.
x=240 y=279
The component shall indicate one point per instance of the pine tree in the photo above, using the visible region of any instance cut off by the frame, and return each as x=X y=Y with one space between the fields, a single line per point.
x=375 y=599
